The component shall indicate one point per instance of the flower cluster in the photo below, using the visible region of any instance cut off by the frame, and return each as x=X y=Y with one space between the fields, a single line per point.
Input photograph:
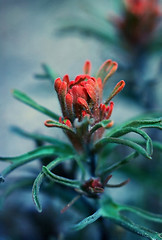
x=139 y=20
x=81 y=99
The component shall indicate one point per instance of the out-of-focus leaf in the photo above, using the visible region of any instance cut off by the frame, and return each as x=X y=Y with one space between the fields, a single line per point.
x=155 y=46
x=112 y=210
x=24 y=183
x=27 y=100
x=59 y=179
x=125 y=130
x=85 y=222
x=90 y=27
x=38 y=181
x=49 y=73
x=18 y=161
x=101 y=143
x=64 y=147
x=106 y=170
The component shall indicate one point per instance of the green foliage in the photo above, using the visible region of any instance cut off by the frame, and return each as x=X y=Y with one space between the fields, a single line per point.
x=48 y=73
x=103 y=124
x=84 y=223
x=38 y=181
x=113 y=210
x=101 y=143
x=88 y=175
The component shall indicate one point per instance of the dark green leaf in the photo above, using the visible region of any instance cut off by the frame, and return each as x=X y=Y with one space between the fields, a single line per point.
x=111 y=210
x=148 y=123
x=27 y=100
x=126 y=130
x=157 y=145
x=28 y=157
x=103 y=124
x=143 y=121
x=40 y=177
x=145 y=214
x=59 y=179
x=101 y=143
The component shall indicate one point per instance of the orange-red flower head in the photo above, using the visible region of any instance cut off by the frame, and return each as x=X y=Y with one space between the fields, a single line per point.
x=83 y=96
x=81 y=99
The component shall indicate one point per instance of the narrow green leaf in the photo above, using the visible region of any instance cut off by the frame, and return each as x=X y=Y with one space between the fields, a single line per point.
x=41 y=76
x=51 y=123
x=49 y=72
x=101 y=143
x=135 y=228
x=157 y=145
x=111 y=210
x=38 y=181
x=35 y=191
x=103 y=124
x=84 y=223
x=148 y=123
x=28 y=157
x=126 y=130
x=143 y=121
x=145 y=214
x=27 y=100
x=59 y=179
x=90 y=27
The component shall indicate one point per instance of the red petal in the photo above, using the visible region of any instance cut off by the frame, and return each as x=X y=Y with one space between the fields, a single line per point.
x=57 y=84
x=82 y=102
x=62 y=89
x=78 y=91
x=110 y=110
x=91 y=91
x=66 y=79
x=69 y=105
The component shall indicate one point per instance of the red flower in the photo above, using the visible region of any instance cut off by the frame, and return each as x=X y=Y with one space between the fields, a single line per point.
x=142 y=7
x=82 y=98
x=139 y=20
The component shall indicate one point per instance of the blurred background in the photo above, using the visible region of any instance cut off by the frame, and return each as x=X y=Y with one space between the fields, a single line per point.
x=63 y=34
